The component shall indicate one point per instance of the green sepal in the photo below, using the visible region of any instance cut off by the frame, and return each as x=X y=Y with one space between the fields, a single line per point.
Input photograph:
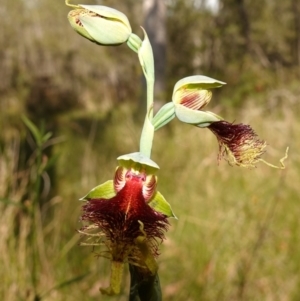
x=78 y=28
x=160 y=204
x=200 y=81
x=103 y=191
x=134 y=159
x=108 y=13
x=164 y=115
x=105 y=31
x=195 y=117
x=204 y=124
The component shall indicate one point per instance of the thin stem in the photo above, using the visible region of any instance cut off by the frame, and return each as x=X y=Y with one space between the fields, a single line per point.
x=145 y=54
x=150 y=97
x=115 y=279
x=34 y=212
x=147 y=134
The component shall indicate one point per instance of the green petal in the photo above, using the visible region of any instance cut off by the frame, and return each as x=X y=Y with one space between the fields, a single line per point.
x=164 y=115
x=103 y=191
x=159 y=204
x=199 y=118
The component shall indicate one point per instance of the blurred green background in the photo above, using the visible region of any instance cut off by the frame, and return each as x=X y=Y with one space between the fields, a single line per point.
x=237 y=233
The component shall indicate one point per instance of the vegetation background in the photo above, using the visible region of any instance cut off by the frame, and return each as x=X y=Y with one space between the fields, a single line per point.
x=237 y=233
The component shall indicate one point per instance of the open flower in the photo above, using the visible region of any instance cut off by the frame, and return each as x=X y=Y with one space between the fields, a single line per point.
x=100 y=24
x=238 y=143
x=190 y=95
x=128 y=216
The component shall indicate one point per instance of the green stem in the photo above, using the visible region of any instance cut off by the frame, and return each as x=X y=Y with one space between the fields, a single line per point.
x=145 y=54
x=148 y=128
x=150 y=97
x=115 y=279
x=34 y=212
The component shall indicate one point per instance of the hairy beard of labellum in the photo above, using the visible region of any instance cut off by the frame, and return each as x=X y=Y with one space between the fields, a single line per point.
x=119 y=219
x=238 y=143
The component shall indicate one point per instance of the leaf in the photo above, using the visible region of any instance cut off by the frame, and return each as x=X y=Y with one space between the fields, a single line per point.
x=46 y=137
x=160 y=204
x=33 y=129
x=103 y=191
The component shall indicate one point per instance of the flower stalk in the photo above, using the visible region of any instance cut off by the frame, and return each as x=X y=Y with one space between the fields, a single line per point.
x=146 y=59
x=116 y=274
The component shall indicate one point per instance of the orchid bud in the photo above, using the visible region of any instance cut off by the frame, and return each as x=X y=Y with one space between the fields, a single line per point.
x=100 y=24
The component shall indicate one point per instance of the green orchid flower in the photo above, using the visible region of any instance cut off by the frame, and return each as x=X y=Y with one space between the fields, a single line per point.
x=190 y=95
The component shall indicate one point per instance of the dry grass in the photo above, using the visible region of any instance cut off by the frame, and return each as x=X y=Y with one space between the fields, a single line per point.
x=236 y=237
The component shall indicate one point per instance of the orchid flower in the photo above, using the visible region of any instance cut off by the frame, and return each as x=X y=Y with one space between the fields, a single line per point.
x=238 y=143
x=128 y=216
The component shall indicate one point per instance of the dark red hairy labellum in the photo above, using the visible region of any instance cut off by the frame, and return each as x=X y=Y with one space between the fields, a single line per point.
x=230 y=133
x=239 y=142
x=118 y=218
